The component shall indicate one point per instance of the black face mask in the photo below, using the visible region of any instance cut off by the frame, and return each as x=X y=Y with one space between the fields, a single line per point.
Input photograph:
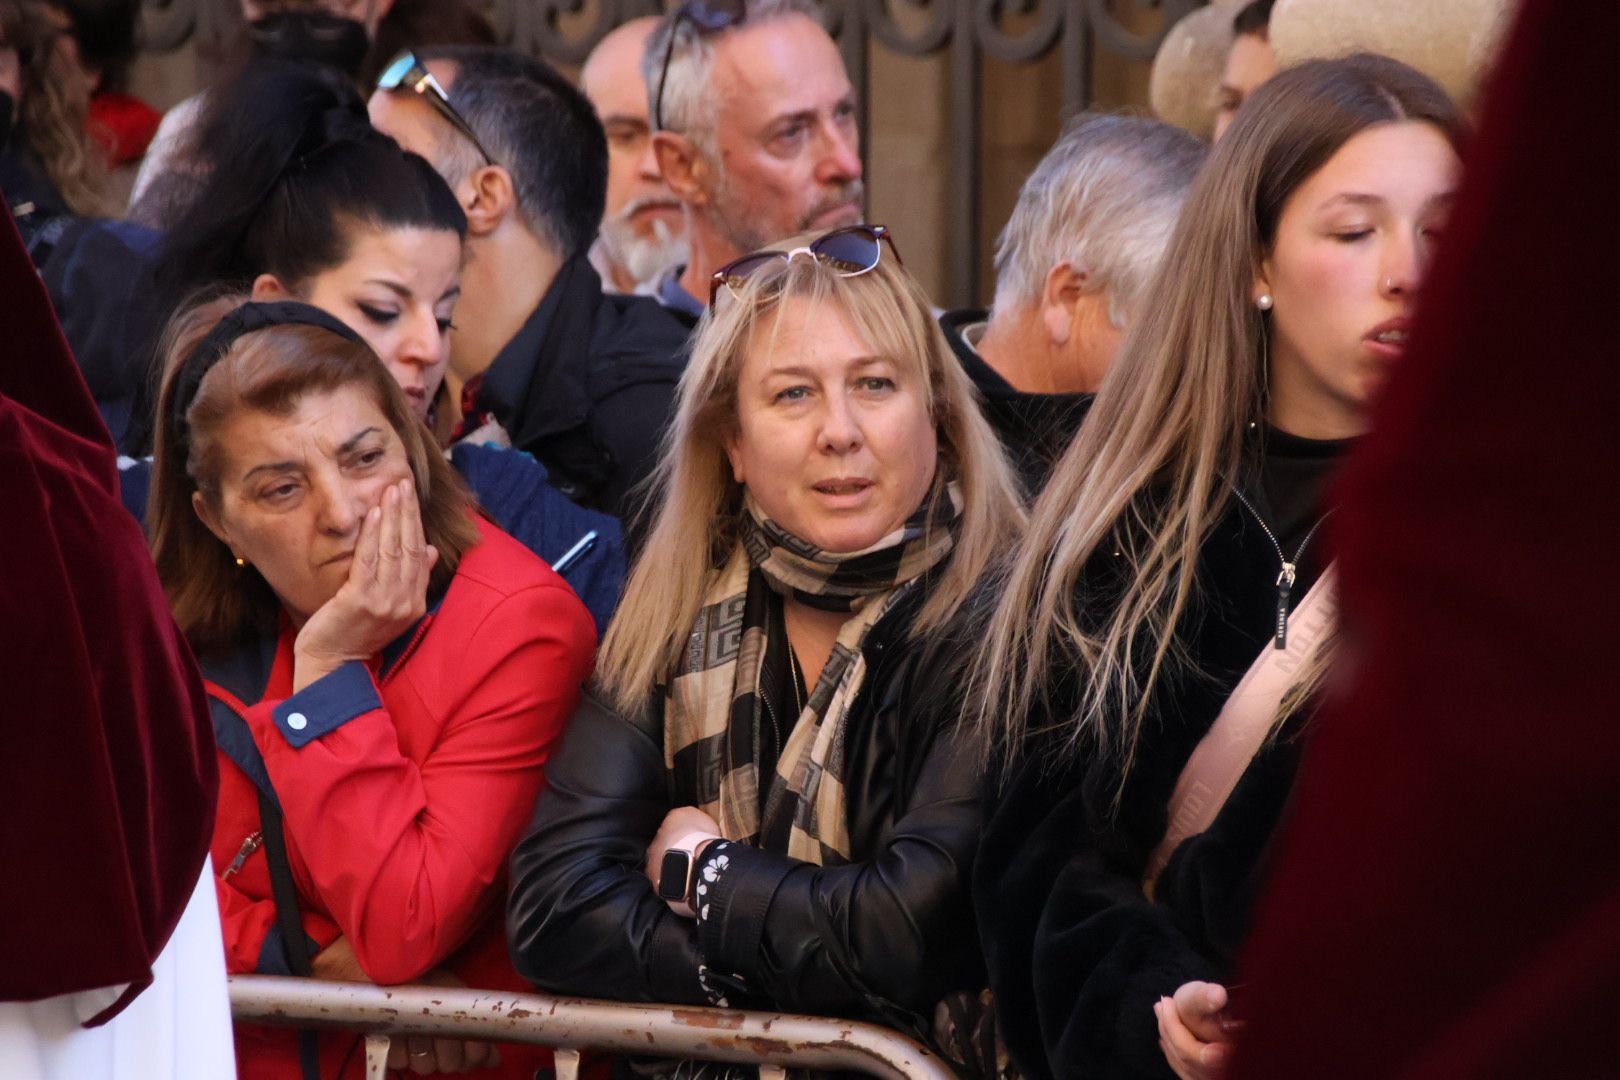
x=8 y=116
x=312 y=35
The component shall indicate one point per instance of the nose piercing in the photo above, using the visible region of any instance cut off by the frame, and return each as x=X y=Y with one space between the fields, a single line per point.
x=1389 y=284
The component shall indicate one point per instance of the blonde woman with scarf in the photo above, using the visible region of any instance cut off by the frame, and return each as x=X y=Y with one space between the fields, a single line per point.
x=752 y=809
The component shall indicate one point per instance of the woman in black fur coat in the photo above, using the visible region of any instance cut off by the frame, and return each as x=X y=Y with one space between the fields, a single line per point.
x=1170 y=550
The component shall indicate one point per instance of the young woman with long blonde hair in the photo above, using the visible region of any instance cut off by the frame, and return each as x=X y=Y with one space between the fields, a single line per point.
x=752 y=808
x=1171 y=550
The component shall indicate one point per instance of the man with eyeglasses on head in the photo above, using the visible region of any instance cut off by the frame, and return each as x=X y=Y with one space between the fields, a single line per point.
x=541 y=359
x=754 y=130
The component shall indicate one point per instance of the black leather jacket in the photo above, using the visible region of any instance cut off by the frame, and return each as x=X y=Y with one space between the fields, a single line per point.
x=882 y=938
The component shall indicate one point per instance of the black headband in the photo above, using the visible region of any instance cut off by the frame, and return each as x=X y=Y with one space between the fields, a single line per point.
x=242 y=320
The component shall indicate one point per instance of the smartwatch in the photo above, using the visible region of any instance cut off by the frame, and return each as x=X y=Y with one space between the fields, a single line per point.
x=675 y=872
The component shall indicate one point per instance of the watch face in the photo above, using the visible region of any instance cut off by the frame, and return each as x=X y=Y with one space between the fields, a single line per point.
x=672 y=874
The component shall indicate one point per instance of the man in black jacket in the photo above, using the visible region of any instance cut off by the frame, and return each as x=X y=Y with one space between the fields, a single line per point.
x=541 y=358
x=1072 y=266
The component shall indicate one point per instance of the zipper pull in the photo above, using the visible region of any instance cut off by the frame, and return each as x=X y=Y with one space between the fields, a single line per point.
x=1285 y=589
x=249 y=846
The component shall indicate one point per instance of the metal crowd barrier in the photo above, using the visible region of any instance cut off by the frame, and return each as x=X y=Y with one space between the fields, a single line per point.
x=773 y=1041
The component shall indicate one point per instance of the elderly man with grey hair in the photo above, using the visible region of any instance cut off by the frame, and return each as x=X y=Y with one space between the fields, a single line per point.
x=754 y=130
x=1072 y=267
x=643 y=226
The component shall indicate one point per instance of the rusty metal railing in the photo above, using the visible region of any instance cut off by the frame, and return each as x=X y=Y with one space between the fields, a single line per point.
x=773 y=1041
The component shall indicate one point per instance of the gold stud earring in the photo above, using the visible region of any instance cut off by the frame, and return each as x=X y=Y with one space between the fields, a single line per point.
x=240 y=561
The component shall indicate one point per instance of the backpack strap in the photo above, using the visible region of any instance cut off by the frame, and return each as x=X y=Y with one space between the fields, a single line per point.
x=1245 y=721
x=288 y=920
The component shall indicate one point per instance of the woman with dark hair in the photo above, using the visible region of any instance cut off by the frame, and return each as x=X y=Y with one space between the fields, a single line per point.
x=387 y=670
x=316 y=205
x=291 y=178
x=292 y=166
x=1176 y=558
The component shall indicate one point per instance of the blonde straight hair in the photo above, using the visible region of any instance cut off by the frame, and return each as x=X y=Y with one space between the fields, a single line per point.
x=694 y=523
x=1152 y=467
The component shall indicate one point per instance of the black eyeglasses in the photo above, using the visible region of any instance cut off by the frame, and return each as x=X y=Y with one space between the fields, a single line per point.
x=406 y=72
x=710 y=17
x=848 y=252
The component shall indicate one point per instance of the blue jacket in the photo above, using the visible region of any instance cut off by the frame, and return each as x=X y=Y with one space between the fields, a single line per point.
x=98 y=275
x=515 y=490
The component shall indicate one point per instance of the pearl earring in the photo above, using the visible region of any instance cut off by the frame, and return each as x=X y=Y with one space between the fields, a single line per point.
x=1263 y=301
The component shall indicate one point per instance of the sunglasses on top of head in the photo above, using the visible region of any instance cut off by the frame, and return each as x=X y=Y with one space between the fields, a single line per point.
x=707 y=17
x=849 y=251
x=406 y=72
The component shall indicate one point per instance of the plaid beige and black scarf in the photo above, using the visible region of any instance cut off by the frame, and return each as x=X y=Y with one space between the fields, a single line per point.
x=712 y=703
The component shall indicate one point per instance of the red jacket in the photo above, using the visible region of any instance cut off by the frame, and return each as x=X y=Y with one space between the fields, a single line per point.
x=404 y=783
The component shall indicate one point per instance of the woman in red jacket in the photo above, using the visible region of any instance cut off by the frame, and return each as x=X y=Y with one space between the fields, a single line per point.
x=387 y=672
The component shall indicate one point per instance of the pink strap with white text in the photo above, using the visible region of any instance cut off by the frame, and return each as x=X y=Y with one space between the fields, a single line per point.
x=1222 y=755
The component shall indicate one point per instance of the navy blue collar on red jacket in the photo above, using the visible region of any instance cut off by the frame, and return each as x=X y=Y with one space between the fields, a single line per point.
x=244 y=673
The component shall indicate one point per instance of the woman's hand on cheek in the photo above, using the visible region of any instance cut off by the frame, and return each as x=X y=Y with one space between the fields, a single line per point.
x=386 y=590
x=1194 y=1031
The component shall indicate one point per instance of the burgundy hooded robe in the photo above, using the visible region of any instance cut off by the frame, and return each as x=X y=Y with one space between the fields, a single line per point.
x=107 y=774
x=1447 y=901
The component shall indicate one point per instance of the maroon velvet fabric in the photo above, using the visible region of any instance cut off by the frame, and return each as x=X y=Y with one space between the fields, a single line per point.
x=107 y=775
x=1447 y=902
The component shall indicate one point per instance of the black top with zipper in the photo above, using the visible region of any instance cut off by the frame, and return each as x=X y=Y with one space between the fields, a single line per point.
x=1077 y=954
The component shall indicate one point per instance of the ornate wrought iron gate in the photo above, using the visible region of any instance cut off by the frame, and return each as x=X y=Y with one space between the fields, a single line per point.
x=966 y=32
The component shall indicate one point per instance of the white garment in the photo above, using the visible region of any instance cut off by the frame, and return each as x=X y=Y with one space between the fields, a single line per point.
x=179 y=1028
